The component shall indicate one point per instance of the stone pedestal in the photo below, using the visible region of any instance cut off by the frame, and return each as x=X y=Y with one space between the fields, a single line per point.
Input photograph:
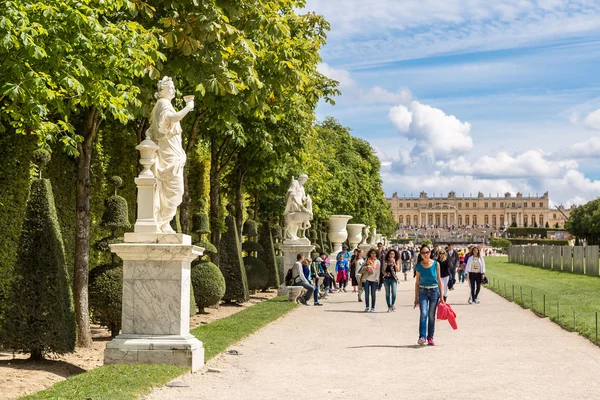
x=290 y=253
x=156 y=303
x=365 y=247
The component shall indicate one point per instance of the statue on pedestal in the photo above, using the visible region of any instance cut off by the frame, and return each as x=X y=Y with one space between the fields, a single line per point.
x=366 y=232
x=165 y=130
x=298 y=209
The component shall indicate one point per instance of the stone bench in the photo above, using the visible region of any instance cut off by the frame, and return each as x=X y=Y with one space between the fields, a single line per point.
x=291 y=292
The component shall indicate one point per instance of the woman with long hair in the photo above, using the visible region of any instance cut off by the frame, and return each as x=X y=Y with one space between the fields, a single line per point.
x=390 y=279
x=353 y=269
x=427 y=294
x=444 y=271
x=370 y=271
x=475 y=270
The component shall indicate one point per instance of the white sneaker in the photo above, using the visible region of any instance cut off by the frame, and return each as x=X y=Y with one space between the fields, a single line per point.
x=470 y=301
x=476 y=301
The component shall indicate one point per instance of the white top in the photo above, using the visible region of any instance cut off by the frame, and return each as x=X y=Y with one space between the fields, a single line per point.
x=475 y=265
x=374 y=277
x=359 y=264
x=298 y=273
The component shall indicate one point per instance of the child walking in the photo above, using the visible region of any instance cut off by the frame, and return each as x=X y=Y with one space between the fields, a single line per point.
x=341 y=268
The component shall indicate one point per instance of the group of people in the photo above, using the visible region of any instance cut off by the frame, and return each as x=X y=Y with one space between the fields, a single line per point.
x=434 y=269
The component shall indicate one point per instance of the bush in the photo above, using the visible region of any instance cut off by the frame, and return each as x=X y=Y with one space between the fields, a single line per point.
x=208 y=283
x=249 y=228
x=200 y=223
x=40 y=317
x=231 y=264
x=257 y=272
x=206 y=245
x=267 y=254
x=547 y=242
x=499 y=242
x=116 y=214
x=106 y=296
x=251 y=247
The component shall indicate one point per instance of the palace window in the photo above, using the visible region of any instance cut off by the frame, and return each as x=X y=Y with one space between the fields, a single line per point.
x=485 y=205
x=541 y=220
x=514 y=205
x=401 y=205
x=416 y=206
x=486 y=220
x=474 y=205
x=408 y=219
x=459 y=205
x=459 y=220
x=494 y=205
x=524 y=220
x=501 y=205
x=430 y=205
x=401 y=219
x=532 y=204
x=532 y=219
x=474 y=219
x=541 y=205
x=554 y=216
x=467 y=220
x=502 y=220
x=525 y=205
x=494 y=220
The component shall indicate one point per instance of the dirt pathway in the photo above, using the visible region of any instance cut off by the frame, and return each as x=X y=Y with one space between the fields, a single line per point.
x=337 y=351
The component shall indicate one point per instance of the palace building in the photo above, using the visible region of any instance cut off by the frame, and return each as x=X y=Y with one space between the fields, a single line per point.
x=482 y=210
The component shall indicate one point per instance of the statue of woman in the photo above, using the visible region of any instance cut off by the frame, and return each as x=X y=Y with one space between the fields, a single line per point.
x=165 y=131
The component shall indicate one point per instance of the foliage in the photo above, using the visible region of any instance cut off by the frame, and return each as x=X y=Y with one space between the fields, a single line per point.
x=106 y=296
x=514 y=224
x=249 y=228
x=40 y=316
x=208 y=283
x=426 y=241
x=206 y=245
x=584 y=222
x=200 y=223
x=500 y=242
x=232 y=265
x=257 y=272
x=116 y=213
x=111 y=382
x=267 y=254
x=251 y=247
x=221 y=334
x=526 y=232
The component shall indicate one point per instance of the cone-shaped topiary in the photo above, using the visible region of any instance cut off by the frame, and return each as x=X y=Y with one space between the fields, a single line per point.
x=106 y=296
x=192 y=300
x=257 y=272
x=208 y=283
x=231 y=264
x=40 y=318
x=267 y=254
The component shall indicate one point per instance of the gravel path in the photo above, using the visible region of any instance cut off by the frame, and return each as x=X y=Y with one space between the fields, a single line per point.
x=337 y=351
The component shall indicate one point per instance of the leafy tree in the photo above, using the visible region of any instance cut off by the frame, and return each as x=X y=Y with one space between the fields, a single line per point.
x=40 y=316
x=499 y=242
x=584 y=222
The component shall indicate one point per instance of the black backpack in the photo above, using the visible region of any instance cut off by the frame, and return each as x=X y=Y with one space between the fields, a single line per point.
x=289 y=280
x=406 y=255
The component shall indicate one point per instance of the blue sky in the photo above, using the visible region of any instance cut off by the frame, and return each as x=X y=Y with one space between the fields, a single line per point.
x=471 y=95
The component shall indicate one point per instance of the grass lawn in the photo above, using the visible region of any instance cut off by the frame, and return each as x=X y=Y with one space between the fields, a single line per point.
x=125 y=382
x=571 y=300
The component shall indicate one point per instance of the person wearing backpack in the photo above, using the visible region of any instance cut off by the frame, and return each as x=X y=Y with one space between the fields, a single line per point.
x=405 y=257
x=299 y=279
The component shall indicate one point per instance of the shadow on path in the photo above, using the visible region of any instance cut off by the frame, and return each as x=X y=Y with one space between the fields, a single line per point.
x=407 y=346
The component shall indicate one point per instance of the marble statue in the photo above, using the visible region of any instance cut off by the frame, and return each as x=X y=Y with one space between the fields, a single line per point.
x=165 y=130
x=298 y=209
x=365 y=235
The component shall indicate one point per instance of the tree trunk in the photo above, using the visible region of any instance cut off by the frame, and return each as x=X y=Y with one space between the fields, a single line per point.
x=239 y=198
x=82 y=235
x=256 y=206
x=214 y=193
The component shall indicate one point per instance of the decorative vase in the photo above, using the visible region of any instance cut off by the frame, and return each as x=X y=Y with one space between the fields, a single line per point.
x=354 y=234
x=337 y=232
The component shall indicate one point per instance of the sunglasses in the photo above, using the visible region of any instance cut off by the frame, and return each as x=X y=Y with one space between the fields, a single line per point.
x=425 y=252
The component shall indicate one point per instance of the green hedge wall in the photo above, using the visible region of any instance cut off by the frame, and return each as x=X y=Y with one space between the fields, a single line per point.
x=524 y=232
x=548 y=242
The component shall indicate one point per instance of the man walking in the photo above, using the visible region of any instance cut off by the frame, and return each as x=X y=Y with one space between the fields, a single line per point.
x=405 y=257
x=453 y=260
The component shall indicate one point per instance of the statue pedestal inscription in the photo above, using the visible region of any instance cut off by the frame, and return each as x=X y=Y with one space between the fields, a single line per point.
x=156 y=260
x=156 y=306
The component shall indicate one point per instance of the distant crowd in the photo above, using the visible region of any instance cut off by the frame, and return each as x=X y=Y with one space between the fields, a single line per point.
x=436 y=271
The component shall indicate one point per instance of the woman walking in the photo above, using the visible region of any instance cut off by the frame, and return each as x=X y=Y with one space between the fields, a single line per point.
x=476 y=272
x=371 y=270
x=427 y=294
x=390 y=279
x=341 y=268
x=353 y=269
x=360 y=278
x=444 y=272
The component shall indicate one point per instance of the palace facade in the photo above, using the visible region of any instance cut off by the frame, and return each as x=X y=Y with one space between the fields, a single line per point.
x=482 y=210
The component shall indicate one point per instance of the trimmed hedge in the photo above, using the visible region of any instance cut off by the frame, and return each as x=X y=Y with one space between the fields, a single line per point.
x=267 y=254
x=231 y=264
x=40 y=318
x=106 y=296
x=208 y=283
x=525 y=232
x=257 y=272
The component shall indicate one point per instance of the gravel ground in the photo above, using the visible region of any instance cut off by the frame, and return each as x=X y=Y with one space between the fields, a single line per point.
x=500 y=351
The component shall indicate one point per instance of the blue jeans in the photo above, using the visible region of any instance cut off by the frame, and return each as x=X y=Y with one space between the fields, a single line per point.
x=428 y=301
x=461 y=275
x=390 y=291
x=370 y=288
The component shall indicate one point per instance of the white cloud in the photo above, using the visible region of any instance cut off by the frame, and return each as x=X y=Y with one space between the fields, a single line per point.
x=438 y=136
x=378 y=94
x=529 y=164
x=338 y=74
x=589 y=148
x=593 y=119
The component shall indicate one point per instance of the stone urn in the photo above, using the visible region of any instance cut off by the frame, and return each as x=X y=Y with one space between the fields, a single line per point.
x=378 y=238
x=354 y=234
x=337 y=232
